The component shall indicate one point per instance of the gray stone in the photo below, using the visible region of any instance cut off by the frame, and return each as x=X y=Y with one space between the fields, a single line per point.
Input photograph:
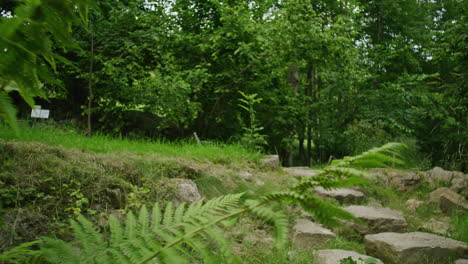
x=413 y=248
x=378 y=219
x=308 y=234
x=438 y=176
x=448 y=200
x=271 y=162
x=434 y=196
x=439 y=226
x=246 y=176
x=258 y=237
x=413 y=204
x=333 y=256
x=186 y=191
x=461 y=261
x=301 y=171
x=343 y=195
x=460 y=185
x=452 y=201
x=402 y=181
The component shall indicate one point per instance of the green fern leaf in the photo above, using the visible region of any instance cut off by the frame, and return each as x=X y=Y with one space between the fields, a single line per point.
x=168 y=214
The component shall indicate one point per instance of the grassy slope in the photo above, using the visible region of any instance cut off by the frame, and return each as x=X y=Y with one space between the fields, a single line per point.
x=105 y=144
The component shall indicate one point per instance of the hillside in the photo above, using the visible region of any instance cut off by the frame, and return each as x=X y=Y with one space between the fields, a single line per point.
x=45 y=184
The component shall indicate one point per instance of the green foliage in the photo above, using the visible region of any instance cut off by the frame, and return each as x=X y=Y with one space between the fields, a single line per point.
x=251 y=137
x=388 y=155
x=26 y=46
x=350 y=260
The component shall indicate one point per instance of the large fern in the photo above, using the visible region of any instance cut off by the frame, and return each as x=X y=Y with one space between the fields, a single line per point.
x=193 y=233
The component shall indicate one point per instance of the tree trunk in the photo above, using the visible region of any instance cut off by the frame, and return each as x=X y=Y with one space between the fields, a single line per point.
x=90 y=82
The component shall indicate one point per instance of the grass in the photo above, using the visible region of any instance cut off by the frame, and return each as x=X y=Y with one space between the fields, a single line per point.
x=218 y=153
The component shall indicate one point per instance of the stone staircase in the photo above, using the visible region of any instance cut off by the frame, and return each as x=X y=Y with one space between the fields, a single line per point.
x=384 y=231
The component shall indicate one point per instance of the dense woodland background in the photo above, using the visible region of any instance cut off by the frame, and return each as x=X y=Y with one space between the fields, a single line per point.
x=310 y=80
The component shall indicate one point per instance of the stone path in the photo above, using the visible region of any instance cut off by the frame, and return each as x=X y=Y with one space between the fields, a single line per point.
x=309 y=234
x=342 y=195
x=384 y=228
x=301 y=171
x=414 y=248
x=378 y=219
x=333 y=256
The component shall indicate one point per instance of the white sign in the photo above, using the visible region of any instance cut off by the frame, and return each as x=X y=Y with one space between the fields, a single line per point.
x=37 y=112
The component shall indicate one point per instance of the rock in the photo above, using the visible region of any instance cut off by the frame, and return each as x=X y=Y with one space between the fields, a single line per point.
x=309 y=234
x=378 y=219
x=186 y=191
x=246 y=176
x=343 y=195
x=460 y=185
x=271 y=162
x=452 y=201
x=461 y=261
x=301 y=171
x=402 y=181
x=333 y=256
x=438 y=176
x=439 y=226
x=413 y=248
x=413 y=204
x=448 y=200
x=258 y=237
x=434 y=196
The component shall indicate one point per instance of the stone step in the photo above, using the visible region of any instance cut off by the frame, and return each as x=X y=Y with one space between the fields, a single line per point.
x=301 y=171
x=307 y=234
x=414 y=248
x=378 y=219
x=342 y=195
x=333 y=256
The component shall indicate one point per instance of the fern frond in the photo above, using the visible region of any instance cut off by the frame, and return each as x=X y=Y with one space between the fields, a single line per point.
x=88 y=237
x=143 y=220
x=155 y=217
x=379 y=157
x=276 y=217
x=23 y=253
x=168 y=214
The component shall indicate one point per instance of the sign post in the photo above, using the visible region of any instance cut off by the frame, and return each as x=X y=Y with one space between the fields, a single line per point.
x=38 y=112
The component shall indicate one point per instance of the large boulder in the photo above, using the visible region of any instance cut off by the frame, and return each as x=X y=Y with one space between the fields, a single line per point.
x=301 y=171
x=448 y=200
x=271 y=162
x=378 y=219
x=414 y=248
x=343 y=195
x=402 y=181
x=461 y=261
x=308 y=234
x=333 y=256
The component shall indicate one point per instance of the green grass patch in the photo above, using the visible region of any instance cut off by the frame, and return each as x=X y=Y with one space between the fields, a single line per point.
x=460 y=226
x=218 y=153
x=344 y=244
